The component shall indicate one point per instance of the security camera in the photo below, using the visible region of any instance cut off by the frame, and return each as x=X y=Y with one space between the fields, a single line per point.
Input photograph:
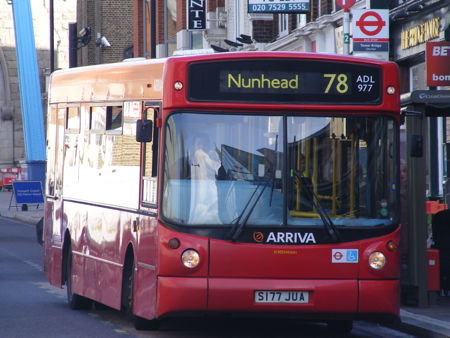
x=84 y=31
x=102 y=42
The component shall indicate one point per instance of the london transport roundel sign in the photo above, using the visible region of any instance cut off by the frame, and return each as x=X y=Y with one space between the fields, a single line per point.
x=346 y=4
x=370 y=30
x=370 y=23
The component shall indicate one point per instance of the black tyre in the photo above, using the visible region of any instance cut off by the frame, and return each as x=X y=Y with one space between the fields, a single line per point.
x=340 y=326
x=39 y=231
x=76 y=302
x=128 y=296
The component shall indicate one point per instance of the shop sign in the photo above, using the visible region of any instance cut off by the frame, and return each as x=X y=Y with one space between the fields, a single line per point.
x=430 y=96
x=196 y=12
x=438 y=63
x=420 y=34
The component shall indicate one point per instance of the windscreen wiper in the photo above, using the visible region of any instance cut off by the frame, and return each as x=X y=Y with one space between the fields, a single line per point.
x=327 y=222
x=237 y=227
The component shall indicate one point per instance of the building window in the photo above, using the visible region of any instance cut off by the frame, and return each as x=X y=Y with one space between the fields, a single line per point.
x=283 y=27
x=417 y=79
x=170 y=31
x=301 y=20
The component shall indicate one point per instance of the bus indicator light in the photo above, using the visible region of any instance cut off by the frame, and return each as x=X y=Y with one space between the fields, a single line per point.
x=174 y=243
x=392 y=246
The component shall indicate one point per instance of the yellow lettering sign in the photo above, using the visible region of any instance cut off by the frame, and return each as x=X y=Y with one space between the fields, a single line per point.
x=420 y=34
x=261 y=82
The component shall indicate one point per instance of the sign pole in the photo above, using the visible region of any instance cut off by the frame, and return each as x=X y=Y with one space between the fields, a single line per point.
x=346 y=5
x=346 y=31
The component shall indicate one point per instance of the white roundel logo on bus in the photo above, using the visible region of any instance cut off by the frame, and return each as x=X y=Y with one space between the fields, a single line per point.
x=258 y=237
x=338 y=255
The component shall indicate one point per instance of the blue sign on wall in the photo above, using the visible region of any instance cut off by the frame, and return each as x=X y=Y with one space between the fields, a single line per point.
x=28 y=192
x=279 y=6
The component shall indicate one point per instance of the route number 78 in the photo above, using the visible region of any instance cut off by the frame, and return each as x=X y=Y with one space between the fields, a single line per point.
x=337 y=82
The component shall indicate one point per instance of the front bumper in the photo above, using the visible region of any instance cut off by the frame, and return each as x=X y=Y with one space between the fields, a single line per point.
x=343 y=298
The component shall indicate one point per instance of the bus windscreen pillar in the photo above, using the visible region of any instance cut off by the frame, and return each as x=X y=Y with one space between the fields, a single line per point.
x=30 y=92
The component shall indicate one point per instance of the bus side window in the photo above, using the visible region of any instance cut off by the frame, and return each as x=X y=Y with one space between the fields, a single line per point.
x=52 y=133
x=97 y=119
x=114 y=118
x=73 y=120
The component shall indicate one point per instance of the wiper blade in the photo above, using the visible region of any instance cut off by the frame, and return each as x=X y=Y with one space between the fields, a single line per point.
x=238 y=226
x=327 y=222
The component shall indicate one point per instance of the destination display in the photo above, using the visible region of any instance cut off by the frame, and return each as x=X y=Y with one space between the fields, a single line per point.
x=284 y=81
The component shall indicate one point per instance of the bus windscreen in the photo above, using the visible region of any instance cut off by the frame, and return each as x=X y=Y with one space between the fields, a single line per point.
x=284 y=81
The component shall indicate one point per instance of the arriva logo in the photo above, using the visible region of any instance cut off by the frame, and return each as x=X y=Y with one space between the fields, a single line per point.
x=291 y=237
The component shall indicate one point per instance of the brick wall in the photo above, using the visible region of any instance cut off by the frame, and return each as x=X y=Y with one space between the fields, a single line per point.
x=265 y=31
x=212 y=5
x=181 y=15
x=110 y=18
x=138 y=34
x=117 y=27
x=159 y=22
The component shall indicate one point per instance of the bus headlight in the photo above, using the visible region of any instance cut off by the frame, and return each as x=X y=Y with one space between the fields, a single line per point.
x=377 y=260
x=190 y=258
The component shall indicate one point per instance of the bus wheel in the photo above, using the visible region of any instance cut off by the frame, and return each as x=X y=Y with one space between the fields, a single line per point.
x=76 y=302
x=340 y=326
x=127 y=299
x=145 y=324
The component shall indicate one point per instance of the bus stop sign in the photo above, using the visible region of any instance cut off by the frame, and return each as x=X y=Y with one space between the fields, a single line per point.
x=372 y=20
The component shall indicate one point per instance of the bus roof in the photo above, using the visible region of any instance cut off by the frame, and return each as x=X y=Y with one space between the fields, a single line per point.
x=131 y=80
x=143 y=79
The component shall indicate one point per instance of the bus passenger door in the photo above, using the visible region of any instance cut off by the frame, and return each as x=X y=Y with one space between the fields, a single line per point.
x=53 y=207
x=149 y=162
x=145 y=297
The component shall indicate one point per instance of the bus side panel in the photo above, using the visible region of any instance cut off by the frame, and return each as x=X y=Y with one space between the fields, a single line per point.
x=52 y=245
x=95 y=240
x=146 y=278
x=144 y=303
x=115 y=224
x=47 y=246
x=107 y=235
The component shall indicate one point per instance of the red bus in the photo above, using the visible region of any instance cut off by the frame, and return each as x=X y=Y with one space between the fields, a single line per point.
x=239 y=183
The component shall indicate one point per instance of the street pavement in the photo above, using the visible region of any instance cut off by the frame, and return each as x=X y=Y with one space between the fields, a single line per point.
x=432 y=321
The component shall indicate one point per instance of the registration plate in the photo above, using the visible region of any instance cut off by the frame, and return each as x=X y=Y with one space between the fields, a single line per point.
x=281 y=296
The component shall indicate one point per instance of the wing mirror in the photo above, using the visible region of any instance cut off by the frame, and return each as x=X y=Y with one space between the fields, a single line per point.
x=144 y=130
